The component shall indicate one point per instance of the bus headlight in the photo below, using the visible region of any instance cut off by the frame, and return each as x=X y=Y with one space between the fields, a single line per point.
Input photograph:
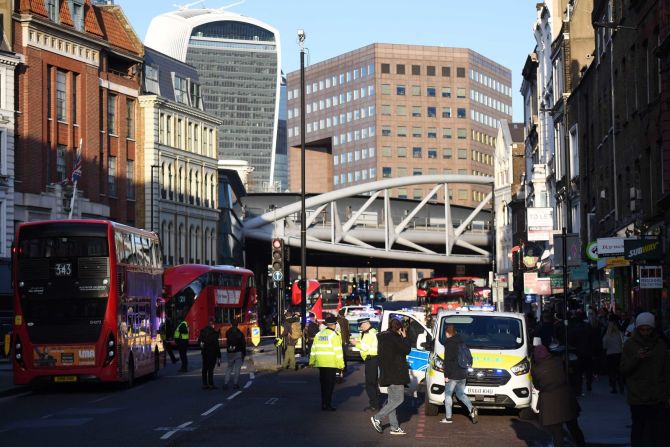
x=521 y=368
x=437 y=363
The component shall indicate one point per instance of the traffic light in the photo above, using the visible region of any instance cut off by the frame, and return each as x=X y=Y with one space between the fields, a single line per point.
x=277 y=255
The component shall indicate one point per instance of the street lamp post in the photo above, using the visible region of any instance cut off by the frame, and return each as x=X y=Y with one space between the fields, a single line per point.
x=152 y=194
x=303 y=220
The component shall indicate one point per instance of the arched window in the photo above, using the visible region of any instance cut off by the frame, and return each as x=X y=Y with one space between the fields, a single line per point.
x=190 y=186
x=180 y=185
x=197 y=188
x=212 y=236
x=212 y=191
x=198 y=245
x=192 y=244
x=181 y=256
x=207 y=247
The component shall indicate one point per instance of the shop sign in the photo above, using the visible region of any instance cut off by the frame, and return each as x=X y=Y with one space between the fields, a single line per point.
x=651 y=277
x=580 y=273
x=592 y=251
x=610 y=246
x=647 y=249
x=540 y=218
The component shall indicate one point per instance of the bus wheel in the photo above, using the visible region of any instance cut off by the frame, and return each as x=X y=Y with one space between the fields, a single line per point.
x=431 y=409
x=157 y=364
x=131 y=373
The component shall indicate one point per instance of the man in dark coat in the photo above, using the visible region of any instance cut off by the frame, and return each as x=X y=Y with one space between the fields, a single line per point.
x=343 y=324
x=557 y=403
x=455 y=376
x=209 y=346
x=392 y=350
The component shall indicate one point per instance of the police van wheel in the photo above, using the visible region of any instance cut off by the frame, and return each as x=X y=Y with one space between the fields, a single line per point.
x=431 y=409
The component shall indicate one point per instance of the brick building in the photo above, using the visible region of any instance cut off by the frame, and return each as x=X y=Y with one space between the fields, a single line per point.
x=78 y=82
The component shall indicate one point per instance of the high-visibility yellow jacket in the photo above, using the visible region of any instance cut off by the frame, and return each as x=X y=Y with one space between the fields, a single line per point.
x=327 y=350
x=369 y=343
x=177 y=334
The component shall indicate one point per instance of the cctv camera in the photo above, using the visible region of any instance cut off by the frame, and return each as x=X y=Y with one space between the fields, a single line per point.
x=301 y=35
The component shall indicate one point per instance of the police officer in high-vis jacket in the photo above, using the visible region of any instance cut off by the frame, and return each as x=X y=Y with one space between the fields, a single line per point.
x=181 y=339
x=327 y=355
x=368 y=349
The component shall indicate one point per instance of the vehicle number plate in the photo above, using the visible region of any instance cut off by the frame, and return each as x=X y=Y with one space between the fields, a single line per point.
x=480 y=391
x=63 y=269
x=62 y=379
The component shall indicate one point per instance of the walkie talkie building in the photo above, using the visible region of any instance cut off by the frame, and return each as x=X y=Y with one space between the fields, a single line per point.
x=238 y=61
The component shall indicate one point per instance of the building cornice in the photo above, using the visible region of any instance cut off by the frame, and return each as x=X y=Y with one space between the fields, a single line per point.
x=159 y=101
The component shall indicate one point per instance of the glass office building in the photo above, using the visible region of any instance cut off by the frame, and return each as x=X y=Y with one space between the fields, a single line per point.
x=238 y=60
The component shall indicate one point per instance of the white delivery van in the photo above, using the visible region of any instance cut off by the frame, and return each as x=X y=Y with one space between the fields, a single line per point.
x=500 y=373
x=420 y=339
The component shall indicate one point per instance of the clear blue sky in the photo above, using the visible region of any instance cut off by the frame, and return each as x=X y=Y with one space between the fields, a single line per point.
x=497 y=29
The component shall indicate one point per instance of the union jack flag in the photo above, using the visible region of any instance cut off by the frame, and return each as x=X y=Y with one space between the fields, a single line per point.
x=76 y=168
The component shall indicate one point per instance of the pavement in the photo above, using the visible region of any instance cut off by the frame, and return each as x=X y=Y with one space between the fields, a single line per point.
x=605 y=417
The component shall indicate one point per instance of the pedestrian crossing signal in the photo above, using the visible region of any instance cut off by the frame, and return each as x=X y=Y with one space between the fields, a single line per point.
x=277 y=255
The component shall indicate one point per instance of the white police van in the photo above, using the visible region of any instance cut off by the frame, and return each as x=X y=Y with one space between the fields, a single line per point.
x=500 y=373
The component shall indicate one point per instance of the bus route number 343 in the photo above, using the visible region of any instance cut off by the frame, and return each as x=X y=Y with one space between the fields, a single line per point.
x=63 y=269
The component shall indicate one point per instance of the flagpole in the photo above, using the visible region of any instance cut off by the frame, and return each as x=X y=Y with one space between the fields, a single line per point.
x=76 y=179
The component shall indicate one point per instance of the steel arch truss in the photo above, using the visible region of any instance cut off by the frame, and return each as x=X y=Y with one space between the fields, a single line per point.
x=348 y=237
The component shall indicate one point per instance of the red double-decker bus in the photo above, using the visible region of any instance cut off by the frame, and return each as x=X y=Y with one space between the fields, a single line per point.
x=454 y=292
x=198 y=292
x=87 y=302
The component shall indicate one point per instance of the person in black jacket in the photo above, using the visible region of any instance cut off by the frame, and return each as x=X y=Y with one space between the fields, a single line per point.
x=236 y=347
x=209 y=346
x=455 y=376
x=392 y=350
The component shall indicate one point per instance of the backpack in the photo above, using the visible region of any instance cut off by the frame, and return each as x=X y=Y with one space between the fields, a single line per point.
x=464 y=357
x=295 y=332
x=234 y=341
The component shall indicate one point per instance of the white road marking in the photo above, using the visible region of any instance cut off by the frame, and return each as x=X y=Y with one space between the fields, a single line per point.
x=248 y=384
x=251 y=376
x=234 y=395
x=179 y=427
x=101 y=399
x=271 y=401
x=211 y=410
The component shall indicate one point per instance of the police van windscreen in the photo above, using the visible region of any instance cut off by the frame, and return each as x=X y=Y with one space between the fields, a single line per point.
x=485 y=331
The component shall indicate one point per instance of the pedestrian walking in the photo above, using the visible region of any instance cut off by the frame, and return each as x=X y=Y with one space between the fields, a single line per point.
x=581 y=337
x=645 y=365
x=557 y=402
x=181 y=340
x=236 y=350
x=455 y=375
x=209 y=347
x=367 y=347
x=613 y=346
x=292 y=332
x=393 y=348
x=328 y=357
x=311 y=329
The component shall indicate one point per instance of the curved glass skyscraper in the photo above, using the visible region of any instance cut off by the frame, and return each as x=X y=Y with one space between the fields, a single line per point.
x=238 y=60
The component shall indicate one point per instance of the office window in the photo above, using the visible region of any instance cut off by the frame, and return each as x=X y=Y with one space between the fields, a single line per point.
x=416 y=70
x=400 y=69
x=462 y=194
x=402 y=172
x=460 y=93
x=402 y=131
x=446 y=72
x=386 y=151
x=401 y=110
x=462 y=172
x=416 y=90
x=432 y=132
x=386 y=109
x=130 y=118
x=130 y=179
x=61 y=95
x=336 y=180
x=111 y=114
x=52 y=10
x=417 y=171
x=386 y=131
x=402 y=193
x=416 y=111
x=75 y=106
x=417 y=195
x=432 y=153
x=402 y=152
x=111 y=176
x=400 y=90
x=416 y=132
x=180 y=90
x=386 y=89
x=364 y=154
x=460 y=72
x=446 y=112
x=61 y=175
x=416 y=152
x=460 y=112
x=431 y=112
x=386 y=172
x=430 y=91
x=446 y=92
x=373 y=172
x=430 y=70
x=461 y=133
x=336 y=160
x=462 y=154
x=432 y=171
x=447 y=172
x=446 y=154
x=446 y=132
x=386 y=68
